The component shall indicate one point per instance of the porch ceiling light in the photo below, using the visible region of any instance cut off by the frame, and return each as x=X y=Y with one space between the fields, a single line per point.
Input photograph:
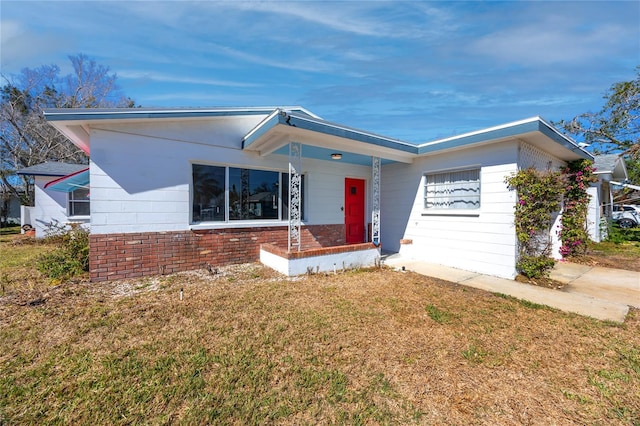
x=336 y=156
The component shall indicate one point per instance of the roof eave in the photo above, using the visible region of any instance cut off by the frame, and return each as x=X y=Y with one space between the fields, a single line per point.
x=99 y=114
x=75 y=123
x=281 y=127
x=569 y=149
x=71 y=182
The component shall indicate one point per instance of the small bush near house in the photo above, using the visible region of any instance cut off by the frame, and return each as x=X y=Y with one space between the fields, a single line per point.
x=72 y=256
x=620 y=235
x=535 y=266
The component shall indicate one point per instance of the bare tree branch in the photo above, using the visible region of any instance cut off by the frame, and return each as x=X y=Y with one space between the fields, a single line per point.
x=26 y=139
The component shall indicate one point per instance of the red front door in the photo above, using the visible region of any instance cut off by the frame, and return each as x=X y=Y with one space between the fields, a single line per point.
x=354 y=210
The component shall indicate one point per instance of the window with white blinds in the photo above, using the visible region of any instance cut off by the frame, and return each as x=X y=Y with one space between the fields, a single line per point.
x=452 y=190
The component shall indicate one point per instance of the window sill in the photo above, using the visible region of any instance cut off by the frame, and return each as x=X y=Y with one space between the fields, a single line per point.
x=239 y=224
x=444 y=212
x=78 y=218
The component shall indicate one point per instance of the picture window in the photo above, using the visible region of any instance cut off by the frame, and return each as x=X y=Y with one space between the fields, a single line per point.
x=452 y=190
x=224 y=194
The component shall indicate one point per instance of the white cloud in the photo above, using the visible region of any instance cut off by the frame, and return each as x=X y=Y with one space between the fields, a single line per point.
x=22 y=47
x=376 y=19
x=348 y=17
x=544 y=47
x=180 y=79
x=543 y=40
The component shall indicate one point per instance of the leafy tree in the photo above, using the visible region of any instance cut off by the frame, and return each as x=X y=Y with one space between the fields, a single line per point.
x=616 y=127
x=25 y=137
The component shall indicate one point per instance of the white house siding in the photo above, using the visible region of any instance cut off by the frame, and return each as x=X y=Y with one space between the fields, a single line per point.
x=484 y=241
x=50 y=211
x=594 y=213
x=141 y=174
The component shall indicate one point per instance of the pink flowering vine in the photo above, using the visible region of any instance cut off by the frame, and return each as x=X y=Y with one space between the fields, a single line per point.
x=573 y=233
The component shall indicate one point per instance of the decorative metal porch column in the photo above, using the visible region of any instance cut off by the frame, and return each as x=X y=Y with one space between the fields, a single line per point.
x=295 y=195
x=375 y=211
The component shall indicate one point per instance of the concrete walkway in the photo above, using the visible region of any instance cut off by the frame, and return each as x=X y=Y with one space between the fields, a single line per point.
x=599 y=293
x=615 y=285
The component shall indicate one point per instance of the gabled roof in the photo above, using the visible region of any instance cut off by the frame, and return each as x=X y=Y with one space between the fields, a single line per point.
x=612 y=164
x=52 y=169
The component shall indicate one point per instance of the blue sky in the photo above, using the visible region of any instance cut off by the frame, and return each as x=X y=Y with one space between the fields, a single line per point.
x=415 y=70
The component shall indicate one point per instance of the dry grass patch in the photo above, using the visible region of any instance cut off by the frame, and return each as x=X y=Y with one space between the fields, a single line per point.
x=620 y=255
x=366 y=347
x=18 y=273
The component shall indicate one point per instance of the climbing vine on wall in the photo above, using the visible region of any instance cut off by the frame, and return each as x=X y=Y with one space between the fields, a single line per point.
x=573 y=232
x=539 y=198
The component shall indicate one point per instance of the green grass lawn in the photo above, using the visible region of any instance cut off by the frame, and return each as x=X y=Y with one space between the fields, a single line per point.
x=247 y=346
x=621 y=251
x=10 y=230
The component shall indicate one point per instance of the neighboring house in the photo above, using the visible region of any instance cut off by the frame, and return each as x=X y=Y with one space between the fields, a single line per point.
x=61 y=196
x=179 y=189
x=9 y=207
x=608 y=168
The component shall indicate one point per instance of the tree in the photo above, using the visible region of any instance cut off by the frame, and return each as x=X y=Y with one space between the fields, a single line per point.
x=25 y=137
x=615 y=128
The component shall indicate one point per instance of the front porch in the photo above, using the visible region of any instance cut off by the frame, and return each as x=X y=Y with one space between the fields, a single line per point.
x=302 y=137
x=325 y=259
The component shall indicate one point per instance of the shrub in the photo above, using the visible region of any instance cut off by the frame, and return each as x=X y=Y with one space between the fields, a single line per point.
x=72 y=257
x=539 y=195
x=534 y=266
x=621 y=235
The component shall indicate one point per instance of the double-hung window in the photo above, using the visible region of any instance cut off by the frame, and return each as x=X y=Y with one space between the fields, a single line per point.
x=459 y=189
x=79 y=202
x=225 y=194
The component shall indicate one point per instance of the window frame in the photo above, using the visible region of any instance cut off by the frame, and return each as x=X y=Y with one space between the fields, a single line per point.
x=72 y=201
x=435 y=210
x=231 y=222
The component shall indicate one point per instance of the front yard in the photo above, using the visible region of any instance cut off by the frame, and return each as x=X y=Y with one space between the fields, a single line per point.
x=246 y=346
x=622 y=252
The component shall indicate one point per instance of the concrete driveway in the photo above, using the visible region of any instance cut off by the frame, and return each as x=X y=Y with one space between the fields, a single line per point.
x=615 y=285
x=600 y=293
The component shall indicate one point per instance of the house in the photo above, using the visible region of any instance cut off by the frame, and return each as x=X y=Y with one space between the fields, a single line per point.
x=608 y=168
x=9 y=206
x=176 y=189
x=61 y=196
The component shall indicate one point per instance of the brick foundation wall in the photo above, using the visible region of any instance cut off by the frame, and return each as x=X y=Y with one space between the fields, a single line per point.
x=118 y=256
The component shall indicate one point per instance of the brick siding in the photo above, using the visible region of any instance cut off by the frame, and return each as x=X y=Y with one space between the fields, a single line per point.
x=118 y=256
